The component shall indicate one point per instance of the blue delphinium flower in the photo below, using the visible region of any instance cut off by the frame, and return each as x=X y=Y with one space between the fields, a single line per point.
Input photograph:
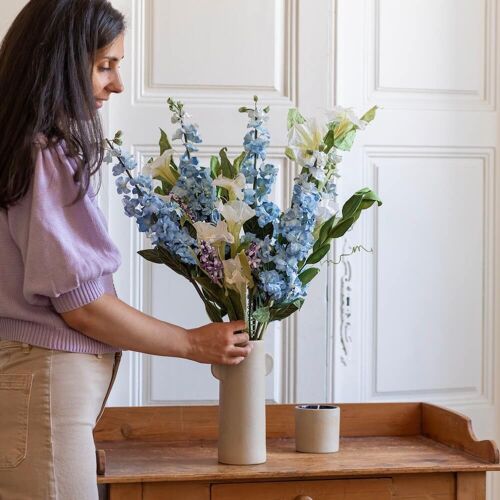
x=273 y=284
x=156 y=217
x=168 y=232
x=130 y=205
x=265 y=180
x=122 y=184
x=248 y=168
x=256 y=145
x=295 y=238
x=194 y=187
x=127 y=161
x=257 y=118
x=267 y=212
x=140 y=183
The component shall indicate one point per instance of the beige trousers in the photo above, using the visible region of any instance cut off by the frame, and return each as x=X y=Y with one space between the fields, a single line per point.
x=49 y=404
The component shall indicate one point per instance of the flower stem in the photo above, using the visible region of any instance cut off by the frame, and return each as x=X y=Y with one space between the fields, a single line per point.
x=255 y=158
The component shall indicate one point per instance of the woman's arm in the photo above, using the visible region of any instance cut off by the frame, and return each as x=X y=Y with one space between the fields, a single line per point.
x=113 y=322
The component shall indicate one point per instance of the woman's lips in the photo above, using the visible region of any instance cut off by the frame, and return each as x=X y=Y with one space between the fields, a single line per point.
x=99 y=103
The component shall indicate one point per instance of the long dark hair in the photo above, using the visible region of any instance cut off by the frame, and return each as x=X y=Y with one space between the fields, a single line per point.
x=46 y=62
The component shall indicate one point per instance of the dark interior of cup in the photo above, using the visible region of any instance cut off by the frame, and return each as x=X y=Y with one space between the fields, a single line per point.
x=316 y=407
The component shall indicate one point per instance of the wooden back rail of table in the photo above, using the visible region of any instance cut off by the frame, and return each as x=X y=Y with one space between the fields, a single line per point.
x=397 y=451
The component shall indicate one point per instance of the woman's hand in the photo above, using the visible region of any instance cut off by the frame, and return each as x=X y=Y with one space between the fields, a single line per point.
x=219 y=343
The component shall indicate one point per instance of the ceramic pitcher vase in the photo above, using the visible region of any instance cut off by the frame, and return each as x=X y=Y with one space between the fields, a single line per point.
x=242 y=408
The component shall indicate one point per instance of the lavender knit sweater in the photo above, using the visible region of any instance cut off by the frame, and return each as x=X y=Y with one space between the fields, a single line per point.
x=53 y=258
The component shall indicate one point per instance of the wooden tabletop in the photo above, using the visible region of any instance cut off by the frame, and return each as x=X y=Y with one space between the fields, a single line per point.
x=179 y=444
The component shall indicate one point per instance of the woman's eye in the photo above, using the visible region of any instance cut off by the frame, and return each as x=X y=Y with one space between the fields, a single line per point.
x=103 y=68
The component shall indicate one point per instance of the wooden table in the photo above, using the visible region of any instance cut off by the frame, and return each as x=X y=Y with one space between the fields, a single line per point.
x=398 y=451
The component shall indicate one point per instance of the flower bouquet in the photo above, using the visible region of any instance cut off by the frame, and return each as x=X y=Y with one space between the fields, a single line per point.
x=216 y=226
x=246 y=258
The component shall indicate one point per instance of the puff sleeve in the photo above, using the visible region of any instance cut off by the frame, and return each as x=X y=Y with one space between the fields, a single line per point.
x=66 y=249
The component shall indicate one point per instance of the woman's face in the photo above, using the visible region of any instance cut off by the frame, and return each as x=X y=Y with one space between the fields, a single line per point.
x=106 y=78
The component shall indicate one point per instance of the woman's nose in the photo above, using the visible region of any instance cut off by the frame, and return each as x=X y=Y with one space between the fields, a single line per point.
x=116 y=85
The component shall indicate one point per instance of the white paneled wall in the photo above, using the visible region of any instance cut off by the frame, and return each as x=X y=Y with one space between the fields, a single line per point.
x=422 y=322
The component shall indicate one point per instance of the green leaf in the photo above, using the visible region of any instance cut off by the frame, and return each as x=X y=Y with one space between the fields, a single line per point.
x=342 y=227
x=117 y=139
x=317 y=255
x=214 y=313
x=164 y=143
x=176 y=265
x=359 y=201
x=329 y=140
x=166 y=186
x=186 y=222
x=262 y=315
x=282 y=311
x=362 y=199
x=243 y=246
x=325 y=229
x=151 y=255
x=370 y=114
x=238 y=161
x=215 y=168
x=345 y=143
x=212 y=289
x=247 y=270
x=236 y=303
x=252 y=226
x=294 y=118
x=290 y=154
x=307 y=275
x=352 y=206
x=227 y=168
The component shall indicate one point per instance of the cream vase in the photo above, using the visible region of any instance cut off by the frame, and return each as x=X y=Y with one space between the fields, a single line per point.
x=242 y=408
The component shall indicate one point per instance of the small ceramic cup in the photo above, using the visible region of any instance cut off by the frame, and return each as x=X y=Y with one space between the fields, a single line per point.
x=317 y=428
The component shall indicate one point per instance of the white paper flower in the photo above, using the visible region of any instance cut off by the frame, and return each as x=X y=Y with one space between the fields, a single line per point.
x=316 y=165
x=234 y=186
x=161 y=167
x=233 y=273
x=327 y=207
x=213 y=234
x=236 y=212
x=338 y=113
x=304 y=138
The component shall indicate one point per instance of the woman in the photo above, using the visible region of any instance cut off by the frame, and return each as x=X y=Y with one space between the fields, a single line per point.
x=61 y=325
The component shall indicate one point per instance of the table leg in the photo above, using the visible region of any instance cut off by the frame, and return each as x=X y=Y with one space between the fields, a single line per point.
x=471 y=485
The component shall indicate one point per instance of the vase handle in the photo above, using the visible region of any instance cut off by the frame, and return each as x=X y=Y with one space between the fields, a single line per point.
x=217 y=371
x=269 y=364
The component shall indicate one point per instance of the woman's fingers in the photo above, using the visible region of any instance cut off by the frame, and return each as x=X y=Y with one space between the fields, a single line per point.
x=240 y=339
x=237 y=352
x=237 y=326
x=234 y=361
